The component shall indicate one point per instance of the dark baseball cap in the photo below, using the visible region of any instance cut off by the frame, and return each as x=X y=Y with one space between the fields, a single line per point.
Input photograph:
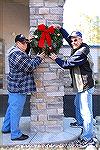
x=20 y=38
x=75 y=34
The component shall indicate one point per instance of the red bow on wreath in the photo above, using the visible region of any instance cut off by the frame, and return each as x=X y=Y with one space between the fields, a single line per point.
x=45 y=36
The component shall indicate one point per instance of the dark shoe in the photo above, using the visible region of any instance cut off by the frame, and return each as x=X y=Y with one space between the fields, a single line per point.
x=75 y=125
x=81 y=143
x=22 y=137
x=5 y=132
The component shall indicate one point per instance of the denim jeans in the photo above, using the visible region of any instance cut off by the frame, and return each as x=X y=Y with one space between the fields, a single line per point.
x=84 y=112
x=14 y=111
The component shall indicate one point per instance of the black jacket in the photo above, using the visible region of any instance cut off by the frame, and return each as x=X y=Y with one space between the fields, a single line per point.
x=80 y=65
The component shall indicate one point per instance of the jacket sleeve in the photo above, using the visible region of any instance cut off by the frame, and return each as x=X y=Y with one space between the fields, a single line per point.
x=22 y=62
x=65 y=36
x=77 y=59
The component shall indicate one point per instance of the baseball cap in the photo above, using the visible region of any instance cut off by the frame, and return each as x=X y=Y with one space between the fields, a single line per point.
x=20 y=38
x=75 y=34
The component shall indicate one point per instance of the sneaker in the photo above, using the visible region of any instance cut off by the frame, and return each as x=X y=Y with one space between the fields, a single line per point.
x=22 y=137
x=75 y=125
x=81 y=143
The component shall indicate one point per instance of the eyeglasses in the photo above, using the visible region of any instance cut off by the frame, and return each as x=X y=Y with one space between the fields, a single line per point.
x=75 y=40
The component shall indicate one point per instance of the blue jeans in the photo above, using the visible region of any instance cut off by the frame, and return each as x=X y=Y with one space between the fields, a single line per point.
x=84 y=112
x=14 y=111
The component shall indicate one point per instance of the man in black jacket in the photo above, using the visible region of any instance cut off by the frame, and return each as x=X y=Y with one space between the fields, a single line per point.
x=80 y=65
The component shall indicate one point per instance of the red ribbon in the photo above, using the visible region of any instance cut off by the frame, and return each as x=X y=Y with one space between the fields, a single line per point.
x=45 y=36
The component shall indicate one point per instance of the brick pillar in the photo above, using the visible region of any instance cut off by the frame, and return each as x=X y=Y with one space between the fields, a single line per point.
x=45 y=11
x=47 y=102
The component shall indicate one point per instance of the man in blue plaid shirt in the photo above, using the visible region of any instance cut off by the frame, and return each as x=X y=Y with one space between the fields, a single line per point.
x=20 y=83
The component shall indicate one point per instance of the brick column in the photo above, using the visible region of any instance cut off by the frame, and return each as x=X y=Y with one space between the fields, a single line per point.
x=45 y=11
x=47 y=102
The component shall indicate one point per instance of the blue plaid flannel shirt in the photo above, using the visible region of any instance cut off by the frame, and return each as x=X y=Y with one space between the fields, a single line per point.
x=20 y=78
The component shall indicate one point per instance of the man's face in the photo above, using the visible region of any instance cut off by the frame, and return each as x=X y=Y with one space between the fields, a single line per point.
x=76 y=42
x=22 y=45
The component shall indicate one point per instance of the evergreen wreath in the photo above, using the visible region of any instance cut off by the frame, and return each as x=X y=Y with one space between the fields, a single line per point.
x=48 y=39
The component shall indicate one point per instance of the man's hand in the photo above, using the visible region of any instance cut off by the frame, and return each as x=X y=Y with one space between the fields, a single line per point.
x=41 y=55
x=56 y=26
x=53 y=56
x=30 y=38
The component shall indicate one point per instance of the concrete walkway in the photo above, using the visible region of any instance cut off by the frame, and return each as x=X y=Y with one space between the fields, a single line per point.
x=67 y=135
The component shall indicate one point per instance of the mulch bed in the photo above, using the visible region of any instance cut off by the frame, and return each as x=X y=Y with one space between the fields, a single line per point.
x=46 y=147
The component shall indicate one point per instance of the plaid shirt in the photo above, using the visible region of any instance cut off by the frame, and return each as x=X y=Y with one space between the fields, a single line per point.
x=20 y=78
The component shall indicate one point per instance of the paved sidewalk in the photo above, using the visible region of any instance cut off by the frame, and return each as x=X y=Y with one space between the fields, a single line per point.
x=67 y=135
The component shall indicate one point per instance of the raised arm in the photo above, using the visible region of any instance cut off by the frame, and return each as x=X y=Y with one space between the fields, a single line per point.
x=77 y=59
x=65 y=35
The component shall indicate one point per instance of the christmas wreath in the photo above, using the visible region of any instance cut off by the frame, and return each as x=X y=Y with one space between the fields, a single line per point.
x=48 y=39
